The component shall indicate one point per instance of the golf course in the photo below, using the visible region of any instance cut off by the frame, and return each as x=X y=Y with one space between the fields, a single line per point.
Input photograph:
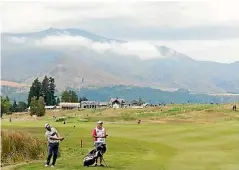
x=171 y=137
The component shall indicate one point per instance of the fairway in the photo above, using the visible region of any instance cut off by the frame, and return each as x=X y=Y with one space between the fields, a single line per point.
x=150 y=145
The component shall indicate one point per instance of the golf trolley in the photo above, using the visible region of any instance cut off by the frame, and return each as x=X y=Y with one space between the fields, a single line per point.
x=91 y=157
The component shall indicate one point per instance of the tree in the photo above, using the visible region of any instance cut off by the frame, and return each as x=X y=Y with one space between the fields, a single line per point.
x=41 y=107
x=21 y=106
x=65 y=96
x=73 y=97
x=33 y=106
x=35 y=90
x=45 y=92
x=5 y=105
x=58 y=101
x=48 y=91
x=82 y=99
x=140 y=101
x=37 y=107
x=14 y=106
x=7 y=99
x=52 y=88
x=69 y=96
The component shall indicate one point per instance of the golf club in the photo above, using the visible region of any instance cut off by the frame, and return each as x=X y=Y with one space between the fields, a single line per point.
x=70 y=132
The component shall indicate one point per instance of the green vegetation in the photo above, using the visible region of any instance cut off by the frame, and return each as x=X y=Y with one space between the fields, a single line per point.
x=21 y=106
x=6 y=106
x=171 y=137
x=21 y=146
x=37 y=107
x=69 y=96
x=46 y=89
x=149 y=95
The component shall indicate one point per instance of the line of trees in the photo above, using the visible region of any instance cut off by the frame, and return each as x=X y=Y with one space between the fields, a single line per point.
x=71 y=96
x=19 y=107
x=7 y=107
x=45 y=89
x=42 y=94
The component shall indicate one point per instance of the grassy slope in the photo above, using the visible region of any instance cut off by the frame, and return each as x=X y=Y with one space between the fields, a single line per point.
x=207 y=140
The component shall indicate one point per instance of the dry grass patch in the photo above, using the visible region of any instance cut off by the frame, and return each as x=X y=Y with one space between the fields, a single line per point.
x=21 y=147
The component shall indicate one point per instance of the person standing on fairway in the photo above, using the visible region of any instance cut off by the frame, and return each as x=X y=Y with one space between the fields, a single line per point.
x=99 y=135
x=53 y=143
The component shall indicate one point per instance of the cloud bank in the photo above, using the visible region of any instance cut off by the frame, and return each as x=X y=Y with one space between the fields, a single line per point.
x=204 y=30
x=142 y=14
x=204 y=50
x=141 y=49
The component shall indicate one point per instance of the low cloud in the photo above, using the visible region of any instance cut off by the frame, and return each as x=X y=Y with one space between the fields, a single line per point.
x=208 y=50
x=17 y=40
x=142 y=49
x=204 y=30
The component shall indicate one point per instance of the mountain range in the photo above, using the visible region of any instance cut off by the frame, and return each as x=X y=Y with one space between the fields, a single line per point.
x=77 y=58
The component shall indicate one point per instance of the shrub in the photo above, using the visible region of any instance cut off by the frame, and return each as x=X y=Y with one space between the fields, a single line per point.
x=61 y=119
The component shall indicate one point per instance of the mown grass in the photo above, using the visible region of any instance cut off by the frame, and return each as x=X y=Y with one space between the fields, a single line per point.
x=157 y=146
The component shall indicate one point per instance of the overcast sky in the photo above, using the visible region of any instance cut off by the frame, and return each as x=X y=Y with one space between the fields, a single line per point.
x=204 y=30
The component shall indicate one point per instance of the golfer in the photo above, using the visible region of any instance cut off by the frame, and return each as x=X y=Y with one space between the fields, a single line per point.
x=53 y=144
x=99 y=135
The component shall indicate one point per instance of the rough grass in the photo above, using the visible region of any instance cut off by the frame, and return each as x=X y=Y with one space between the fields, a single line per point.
x=20 y=146
x=175 y=137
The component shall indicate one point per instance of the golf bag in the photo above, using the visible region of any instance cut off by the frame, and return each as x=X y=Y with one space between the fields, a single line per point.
x=91 y=157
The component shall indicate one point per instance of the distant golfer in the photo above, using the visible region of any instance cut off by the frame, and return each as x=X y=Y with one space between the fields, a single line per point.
x=99 y=135
x=53 y=144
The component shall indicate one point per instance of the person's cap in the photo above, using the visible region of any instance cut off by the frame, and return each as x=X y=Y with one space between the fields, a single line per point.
x=46 y=125
x=99 y=122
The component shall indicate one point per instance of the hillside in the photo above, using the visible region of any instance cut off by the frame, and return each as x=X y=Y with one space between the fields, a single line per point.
x=77 y=58
x=130 y=93
x=12 y=84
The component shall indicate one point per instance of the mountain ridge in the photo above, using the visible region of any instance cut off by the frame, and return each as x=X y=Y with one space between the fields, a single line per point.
x=170 y=69
x=69 y=31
